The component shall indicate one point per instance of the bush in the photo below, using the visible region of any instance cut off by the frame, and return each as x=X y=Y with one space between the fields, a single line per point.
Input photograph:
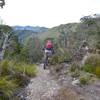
x=6 y=88
x=26 y=69
x=97 y=71
x=83 y=80
x=54 y=60
x=61 y=56
x=93 y=60
x=89 y=68
x=73 y=67
x=4 y=67
x=76 y=73
x=31 y=70
x=12 y=73
x=92 y=63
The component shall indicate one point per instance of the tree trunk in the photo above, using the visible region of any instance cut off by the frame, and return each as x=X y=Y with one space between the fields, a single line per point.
x=3 y=47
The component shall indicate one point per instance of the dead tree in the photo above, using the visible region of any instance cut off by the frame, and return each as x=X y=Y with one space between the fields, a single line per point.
x=4 y=45
x=2 y=3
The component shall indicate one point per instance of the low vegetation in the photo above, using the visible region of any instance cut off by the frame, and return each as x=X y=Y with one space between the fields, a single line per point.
x=60 y=56
x=92 y=64
x=14 y=75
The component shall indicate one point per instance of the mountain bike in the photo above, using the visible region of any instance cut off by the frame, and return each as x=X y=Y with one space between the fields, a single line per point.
x=47 y=55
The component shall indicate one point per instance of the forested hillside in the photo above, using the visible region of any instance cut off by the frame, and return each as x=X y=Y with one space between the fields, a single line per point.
x=75 y=33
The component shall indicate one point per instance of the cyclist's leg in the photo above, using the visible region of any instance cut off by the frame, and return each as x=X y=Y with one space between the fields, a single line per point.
x=45 y=60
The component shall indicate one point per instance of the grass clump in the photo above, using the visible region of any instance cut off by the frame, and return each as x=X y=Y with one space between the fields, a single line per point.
x=7 y=88
x=61 y=56
x=13 y=76
x=92 y=64
x=74 y=70
x=83 y=80
x=97 y=71
x=30 y=70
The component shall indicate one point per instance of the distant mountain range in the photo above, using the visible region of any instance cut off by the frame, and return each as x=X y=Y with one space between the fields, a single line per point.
x=36 y=29
x=24 y=32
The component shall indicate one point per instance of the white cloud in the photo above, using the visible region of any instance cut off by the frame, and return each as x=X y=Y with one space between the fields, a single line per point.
x=47 y=13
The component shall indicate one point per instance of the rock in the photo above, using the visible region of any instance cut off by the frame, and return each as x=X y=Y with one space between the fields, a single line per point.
x=76 y=82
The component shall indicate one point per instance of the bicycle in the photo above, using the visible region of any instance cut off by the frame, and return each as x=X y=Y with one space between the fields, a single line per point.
x=47 y=55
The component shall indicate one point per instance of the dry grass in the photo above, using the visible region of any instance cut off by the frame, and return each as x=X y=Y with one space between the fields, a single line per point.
x=68 y=94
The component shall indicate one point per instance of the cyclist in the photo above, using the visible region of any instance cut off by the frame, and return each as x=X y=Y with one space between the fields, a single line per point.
x=48 y=51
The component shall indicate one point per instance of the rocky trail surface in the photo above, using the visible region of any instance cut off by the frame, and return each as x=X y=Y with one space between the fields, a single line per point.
x=42 y=87
x=45 y=87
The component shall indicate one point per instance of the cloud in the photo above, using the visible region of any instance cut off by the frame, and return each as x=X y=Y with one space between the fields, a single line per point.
x=47 y=13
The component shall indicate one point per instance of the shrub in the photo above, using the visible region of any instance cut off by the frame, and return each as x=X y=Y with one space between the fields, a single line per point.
x=76 y=73
x=30 y=70
x=93 y=59
x=73 y=67
x=92 y=63
x=13 y=73
x=60 y=56
x=89 y=68
x=23 y=68
x=6 y=88
x=97 y=71
x=83 y=80
x=4 y=67
x=65 y=54
x=54 y=60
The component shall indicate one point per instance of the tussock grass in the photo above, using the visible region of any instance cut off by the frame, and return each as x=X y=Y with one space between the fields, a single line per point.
x=14 y=75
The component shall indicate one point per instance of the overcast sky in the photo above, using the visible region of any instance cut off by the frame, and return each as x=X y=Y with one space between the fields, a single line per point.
x=48 y=13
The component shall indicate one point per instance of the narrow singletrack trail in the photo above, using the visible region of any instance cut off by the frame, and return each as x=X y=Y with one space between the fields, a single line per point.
x=42 y=87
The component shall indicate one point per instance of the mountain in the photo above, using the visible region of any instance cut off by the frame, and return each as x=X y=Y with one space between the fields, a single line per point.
x=24 y=32
x=36 y=29
x=68 y=35
x=72 y=35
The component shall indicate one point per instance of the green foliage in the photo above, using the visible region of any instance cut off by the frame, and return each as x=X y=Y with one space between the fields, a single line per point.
x=88 y=68
x=30 y=70
x=73 y=67
x=98 y=45
x=93 y=60
x=32 y=50
x=6 y=88
x=76 y=73
x=54 y=60
x=92 y=64
x=5 y=28
x=26 y=69
x=4 y=67
x=88 y=20
x=97 y=71
x=14 y=74
x=61 y=56
x=83 y=80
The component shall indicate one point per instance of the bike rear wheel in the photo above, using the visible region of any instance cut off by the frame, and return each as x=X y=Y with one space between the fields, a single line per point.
x=45 y=64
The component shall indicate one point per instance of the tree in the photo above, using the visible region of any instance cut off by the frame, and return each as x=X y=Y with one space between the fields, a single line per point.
x=5 y=33
x=33 y=50
x=63 y=37
x=2 y=3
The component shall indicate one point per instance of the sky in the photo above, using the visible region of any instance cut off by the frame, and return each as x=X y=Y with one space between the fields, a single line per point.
x=47 y=13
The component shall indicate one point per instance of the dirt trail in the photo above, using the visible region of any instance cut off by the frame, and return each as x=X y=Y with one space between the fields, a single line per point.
x=42 y=87
x=45 y=87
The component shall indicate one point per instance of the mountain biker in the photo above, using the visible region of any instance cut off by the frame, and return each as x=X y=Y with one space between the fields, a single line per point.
x=48 y=51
